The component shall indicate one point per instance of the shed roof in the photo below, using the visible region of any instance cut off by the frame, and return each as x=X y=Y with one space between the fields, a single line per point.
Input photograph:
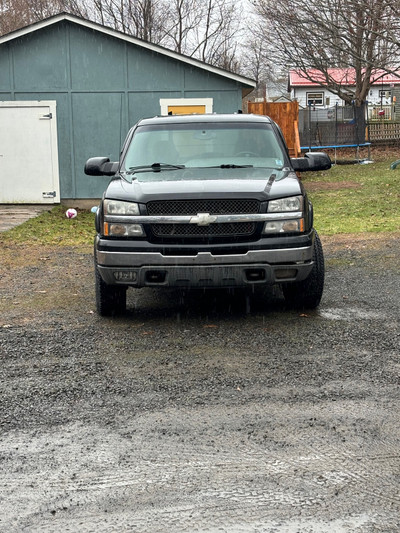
x=342 y=76
x=242 y=80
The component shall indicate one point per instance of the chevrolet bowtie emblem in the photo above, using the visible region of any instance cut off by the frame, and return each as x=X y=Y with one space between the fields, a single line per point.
x=203 y=219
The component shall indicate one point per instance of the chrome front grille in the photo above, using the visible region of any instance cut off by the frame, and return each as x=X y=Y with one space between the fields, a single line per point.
x=210 y=206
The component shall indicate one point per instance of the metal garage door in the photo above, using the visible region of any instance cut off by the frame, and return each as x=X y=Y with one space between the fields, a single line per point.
x=28 y=153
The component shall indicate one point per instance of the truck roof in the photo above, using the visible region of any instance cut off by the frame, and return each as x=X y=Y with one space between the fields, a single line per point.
x=211 y=118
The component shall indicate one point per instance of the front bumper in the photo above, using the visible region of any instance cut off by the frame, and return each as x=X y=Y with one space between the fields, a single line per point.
x=203 y=269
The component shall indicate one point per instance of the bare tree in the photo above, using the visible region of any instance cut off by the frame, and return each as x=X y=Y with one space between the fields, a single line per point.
x=216 y=39
x=140 y=18
x=11 y=16
x=206 y=30
x=147 y=19
x=15 y=14
x=318 y=35
x=256 y=60
x=181 y=19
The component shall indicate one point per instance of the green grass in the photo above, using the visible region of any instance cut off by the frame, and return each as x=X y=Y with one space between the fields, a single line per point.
x=373 y=206
x=54 y=228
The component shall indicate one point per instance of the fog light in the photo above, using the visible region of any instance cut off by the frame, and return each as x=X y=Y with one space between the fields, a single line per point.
x=285 y=273
x=125 y=275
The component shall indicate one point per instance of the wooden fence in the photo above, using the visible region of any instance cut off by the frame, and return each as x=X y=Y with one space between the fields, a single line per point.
x=286 y=115
x=384 y=131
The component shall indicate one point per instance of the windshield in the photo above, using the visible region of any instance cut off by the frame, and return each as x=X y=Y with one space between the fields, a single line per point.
x=195 y=145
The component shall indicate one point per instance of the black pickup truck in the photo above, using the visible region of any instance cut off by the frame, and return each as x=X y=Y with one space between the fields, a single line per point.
x=206 y=201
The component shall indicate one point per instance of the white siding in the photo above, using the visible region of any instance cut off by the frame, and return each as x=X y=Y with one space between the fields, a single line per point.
x=300 y=94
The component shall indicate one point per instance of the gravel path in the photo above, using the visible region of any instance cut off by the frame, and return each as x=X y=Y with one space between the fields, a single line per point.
x=203 y=412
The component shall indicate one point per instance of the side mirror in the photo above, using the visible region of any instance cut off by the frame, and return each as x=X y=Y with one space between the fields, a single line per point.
x=100 y=166
x=311 y=161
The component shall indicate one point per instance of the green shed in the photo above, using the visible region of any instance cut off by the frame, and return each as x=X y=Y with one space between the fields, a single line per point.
x=71 y=89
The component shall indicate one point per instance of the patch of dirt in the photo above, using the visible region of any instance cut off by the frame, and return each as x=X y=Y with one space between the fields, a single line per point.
x=362 y=241
x=315 y=186
x=379 y=252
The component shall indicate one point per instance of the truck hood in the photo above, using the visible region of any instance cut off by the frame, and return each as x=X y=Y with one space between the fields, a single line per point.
x=260 y=183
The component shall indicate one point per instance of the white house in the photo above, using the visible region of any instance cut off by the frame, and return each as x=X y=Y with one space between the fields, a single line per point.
x=318 y=95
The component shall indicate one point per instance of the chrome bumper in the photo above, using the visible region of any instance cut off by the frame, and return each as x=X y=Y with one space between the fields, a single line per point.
x=142 y=269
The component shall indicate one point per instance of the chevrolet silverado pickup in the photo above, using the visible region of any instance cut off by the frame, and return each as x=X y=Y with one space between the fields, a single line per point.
x=206 y=201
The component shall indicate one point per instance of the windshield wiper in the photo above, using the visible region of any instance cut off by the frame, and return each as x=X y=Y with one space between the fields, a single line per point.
x=155 y=167
x=229 y=165
x=236 y=166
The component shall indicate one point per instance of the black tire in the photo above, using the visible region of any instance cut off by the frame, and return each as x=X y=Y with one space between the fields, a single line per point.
x=307 y=294
x=110 y=300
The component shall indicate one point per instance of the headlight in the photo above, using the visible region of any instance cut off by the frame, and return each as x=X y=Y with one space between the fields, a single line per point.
x=116 y=207
x=292 y=203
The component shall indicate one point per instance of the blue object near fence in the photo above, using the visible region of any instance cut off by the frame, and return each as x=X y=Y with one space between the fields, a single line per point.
x=334 y=146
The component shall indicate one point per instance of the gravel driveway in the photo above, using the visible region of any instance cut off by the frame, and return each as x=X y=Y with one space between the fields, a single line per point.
x=202 y=412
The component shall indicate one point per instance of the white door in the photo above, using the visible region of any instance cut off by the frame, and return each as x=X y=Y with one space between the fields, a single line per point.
x=28 y=153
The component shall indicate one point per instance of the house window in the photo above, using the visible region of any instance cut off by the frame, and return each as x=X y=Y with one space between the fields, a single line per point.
x=315 y=99
x=385 y=94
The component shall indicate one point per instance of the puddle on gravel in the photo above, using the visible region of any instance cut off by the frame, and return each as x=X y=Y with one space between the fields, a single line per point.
x=351 y=313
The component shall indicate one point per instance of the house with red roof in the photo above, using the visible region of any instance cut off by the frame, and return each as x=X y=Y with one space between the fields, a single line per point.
x=317 y=94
